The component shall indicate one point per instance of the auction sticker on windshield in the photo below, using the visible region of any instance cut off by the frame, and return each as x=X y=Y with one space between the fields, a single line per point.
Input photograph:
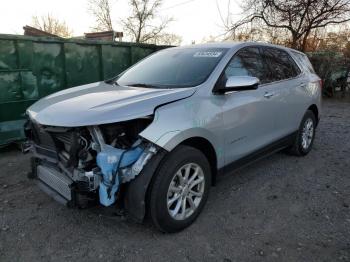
x=207 y=54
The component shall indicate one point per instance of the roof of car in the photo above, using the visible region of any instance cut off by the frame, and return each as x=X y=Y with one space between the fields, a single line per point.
x=235 y=44
x=213 y=45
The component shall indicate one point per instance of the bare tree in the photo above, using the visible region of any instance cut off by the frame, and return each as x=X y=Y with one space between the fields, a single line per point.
x=101 y=10
x=143 y=24
x=298 y=17
x=167 y=39
x=52 y=25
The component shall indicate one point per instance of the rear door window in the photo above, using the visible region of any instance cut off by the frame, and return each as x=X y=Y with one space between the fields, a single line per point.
x=281 y=65
x=246 y=62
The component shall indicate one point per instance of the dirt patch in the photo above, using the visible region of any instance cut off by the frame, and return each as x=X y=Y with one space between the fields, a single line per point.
x=281 y=208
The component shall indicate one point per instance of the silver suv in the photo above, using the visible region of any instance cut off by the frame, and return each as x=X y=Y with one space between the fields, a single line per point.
x=154 y=139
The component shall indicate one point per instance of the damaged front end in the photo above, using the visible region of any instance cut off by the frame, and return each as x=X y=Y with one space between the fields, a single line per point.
x=82 y=165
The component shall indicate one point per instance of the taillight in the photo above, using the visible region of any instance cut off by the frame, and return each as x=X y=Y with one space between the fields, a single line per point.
x=320 y=83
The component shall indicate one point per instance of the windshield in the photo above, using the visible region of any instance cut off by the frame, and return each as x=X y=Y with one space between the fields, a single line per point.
x=173 y=68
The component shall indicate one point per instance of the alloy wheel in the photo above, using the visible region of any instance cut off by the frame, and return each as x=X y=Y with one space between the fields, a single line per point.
x=307 y=134
x=185 y=191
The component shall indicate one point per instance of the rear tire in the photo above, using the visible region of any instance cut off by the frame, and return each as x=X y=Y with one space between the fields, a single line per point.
x=305 y=136
x=180 y=189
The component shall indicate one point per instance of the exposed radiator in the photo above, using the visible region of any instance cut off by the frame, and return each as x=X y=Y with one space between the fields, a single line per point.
x=55 y=180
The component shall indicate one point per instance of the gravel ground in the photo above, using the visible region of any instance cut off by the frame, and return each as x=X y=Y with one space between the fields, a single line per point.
x=281 y=208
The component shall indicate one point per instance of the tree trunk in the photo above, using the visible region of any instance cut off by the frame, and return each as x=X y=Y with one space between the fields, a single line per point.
x=138 y=37
x=295 y=39
x=304 y=43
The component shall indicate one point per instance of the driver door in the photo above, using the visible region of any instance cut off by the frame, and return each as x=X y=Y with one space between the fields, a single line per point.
x=248 y=115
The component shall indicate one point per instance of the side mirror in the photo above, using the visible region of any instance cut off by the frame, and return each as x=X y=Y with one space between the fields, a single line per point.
x=239 y=83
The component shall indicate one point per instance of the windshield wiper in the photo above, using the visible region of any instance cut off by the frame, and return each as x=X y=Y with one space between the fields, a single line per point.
x=143 y=85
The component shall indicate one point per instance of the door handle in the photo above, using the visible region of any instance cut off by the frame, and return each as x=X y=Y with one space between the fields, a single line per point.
x=302 y=85
x=268 y=95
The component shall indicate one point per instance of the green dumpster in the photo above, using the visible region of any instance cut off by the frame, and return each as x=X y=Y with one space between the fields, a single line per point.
x=34 y=67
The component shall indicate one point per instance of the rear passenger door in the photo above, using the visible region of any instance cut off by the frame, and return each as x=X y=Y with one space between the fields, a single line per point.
x=284 y=80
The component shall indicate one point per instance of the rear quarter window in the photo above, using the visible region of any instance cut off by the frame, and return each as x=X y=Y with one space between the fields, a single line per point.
x=304 y=61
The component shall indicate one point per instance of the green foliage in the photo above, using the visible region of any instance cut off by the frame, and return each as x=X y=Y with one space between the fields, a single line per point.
x=333 y=68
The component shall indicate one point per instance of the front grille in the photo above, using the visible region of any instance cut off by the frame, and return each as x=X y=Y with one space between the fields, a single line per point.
x=65 y=139
x=43 y=144
x=56 y=180
x=41 y=137
x=58 y=144
x=67 y=147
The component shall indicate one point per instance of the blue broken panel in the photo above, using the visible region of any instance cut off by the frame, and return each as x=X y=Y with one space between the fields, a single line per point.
x=110 y=159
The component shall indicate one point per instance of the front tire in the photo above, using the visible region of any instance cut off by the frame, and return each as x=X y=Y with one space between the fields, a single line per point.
x=180 y=189
x=305 y=136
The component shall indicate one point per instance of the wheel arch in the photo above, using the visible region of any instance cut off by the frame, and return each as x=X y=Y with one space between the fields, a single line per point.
x=207 y=149
x=313 y=108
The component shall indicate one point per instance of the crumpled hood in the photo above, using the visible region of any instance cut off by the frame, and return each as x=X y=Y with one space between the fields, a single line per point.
x=101 y=103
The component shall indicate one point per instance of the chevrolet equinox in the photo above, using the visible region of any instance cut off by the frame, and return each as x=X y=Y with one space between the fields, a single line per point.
x=153 y=139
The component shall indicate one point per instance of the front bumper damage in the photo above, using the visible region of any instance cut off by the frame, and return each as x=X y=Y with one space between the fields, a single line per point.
x=83 y=166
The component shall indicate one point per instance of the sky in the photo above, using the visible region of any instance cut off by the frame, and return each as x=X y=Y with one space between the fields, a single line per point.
x=195 y=20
